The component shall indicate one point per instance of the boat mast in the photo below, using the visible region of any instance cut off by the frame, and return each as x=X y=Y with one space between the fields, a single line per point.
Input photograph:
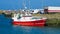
x=29 y=4
x=24 y=4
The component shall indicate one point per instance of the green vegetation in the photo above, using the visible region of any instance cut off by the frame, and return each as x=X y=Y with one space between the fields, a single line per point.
x=52 y=19
x=53 y=22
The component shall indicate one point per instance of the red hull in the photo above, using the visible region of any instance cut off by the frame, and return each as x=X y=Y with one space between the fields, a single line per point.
x=30 y=23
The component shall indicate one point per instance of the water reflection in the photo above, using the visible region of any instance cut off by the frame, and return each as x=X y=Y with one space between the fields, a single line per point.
x=10 y=29
x=27 y=30
x=36 y=30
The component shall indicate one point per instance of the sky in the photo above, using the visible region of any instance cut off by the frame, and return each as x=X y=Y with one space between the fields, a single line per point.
x=34 y=4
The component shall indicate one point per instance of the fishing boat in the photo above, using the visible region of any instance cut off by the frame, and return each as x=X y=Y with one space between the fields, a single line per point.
x=28 y=20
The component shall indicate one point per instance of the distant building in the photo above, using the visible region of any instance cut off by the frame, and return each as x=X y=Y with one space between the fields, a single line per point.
x=50 y=9
x=41 y=11
x=35 y=11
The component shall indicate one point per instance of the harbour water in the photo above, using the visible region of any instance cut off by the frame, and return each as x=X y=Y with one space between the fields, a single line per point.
x=7 y=28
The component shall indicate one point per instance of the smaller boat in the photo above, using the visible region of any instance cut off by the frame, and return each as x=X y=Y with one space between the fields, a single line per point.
x=28 y=20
